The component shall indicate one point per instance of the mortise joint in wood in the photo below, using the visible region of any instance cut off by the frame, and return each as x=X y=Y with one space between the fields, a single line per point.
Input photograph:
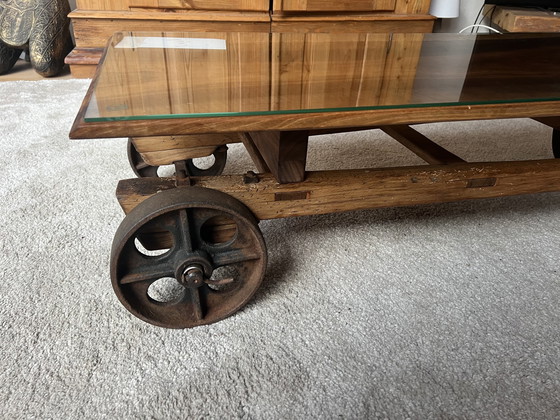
x=481 y=182
x=292 y=195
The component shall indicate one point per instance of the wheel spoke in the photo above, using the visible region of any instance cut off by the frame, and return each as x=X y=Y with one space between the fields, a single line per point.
x=148 y=271
x=197 y=305
x=221 y=282
x=235 y=256
x=182 y=231
x=141 y=165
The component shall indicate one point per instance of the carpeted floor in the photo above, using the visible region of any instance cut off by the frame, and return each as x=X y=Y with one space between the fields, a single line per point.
x=440 y=311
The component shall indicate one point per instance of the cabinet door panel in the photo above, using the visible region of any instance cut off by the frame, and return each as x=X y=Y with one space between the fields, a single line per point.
x=334 y=5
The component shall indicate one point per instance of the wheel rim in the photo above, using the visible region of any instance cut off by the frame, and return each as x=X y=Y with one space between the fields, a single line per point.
x=138 y=165
x=204 y=243
x=220 y=158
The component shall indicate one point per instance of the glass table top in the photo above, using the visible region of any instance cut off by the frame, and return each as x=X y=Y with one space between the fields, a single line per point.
x=182 y=75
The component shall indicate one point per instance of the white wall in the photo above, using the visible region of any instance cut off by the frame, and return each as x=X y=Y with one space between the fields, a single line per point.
x=469 y=10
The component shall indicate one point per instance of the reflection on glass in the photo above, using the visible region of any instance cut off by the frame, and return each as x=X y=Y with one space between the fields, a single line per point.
x=175 y=75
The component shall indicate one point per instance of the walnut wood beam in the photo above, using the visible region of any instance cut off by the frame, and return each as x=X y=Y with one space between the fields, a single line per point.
x=326 y=192
x=422 y=146
x=284 y=152
x=553 y=122
x=253 y=151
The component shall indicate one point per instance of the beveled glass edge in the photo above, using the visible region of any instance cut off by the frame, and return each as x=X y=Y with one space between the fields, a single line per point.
x=315 y=111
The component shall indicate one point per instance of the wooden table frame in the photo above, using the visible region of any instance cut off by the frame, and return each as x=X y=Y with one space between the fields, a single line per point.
x=278 y=147
x=278 y=144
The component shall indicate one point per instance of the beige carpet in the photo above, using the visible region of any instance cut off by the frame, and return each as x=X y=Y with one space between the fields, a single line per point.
x=441 y=311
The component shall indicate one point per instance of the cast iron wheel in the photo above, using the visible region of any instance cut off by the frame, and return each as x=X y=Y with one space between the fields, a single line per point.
x=143 y=170
x=556 y=143
x=186 y=257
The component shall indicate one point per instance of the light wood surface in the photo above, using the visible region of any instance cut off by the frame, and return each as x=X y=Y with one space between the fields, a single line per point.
x=341 y=23
x=237 y=5
x=94 y=21
x=513 y=19
x=339 y=191
x=157 y=151
x=333 y=5
x=91 y=35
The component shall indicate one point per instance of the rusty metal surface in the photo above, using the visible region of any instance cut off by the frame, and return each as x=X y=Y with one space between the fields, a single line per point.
x=204 y=240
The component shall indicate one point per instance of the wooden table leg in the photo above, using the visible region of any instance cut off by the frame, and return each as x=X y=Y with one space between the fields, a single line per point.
x=284 y=153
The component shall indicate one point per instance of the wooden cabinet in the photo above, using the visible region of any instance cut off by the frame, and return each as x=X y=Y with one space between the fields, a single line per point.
x=94 y=21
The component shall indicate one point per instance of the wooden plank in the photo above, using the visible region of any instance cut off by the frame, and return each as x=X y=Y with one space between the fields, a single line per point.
x=256 y=156
x=334 y=5
x=93 y=29
x=83 y=71
x=368 y=23
x=83 y=61
x=422 y=146
x=285 y=153
x=165 y=150
x=339 y=191
x=191 y=15
x=86 y=56
x=412 y=6
x=310 y=121
x=102 y=4
x=513 y=19
x=249 y=5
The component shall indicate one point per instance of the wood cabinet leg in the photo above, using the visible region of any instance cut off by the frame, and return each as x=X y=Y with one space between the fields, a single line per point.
x=283 y=152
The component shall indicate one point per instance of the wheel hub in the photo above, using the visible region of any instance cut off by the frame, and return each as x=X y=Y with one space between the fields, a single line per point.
x=192 y=277
x=193 y=271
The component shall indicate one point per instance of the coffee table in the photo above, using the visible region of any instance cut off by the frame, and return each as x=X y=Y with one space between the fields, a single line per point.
x=189 y=251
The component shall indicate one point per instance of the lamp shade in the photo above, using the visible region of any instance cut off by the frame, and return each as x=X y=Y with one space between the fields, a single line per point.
x=445 y=8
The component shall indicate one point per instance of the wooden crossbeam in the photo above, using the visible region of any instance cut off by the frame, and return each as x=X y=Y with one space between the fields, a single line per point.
x=325 y=192
x=421 y=145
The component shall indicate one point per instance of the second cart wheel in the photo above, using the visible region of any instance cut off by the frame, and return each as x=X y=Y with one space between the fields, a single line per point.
x=186 y=257
x=144 y=170
x=556 y=143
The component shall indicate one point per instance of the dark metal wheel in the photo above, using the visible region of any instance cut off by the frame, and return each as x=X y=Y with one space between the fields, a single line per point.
x=186 y=257
x=556 y=143
x=143 y=170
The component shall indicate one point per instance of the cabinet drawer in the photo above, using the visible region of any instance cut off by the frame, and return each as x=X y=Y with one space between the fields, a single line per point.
x=233 y=5
x=334 y=5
